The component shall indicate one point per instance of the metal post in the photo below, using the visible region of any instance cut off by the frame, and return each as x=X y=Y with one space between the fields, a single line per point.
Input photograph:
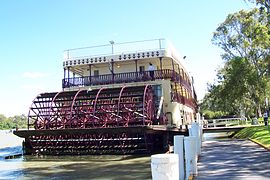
x=112 y=43
x=68 y=75
x=112 y=72
x=173 y=70
x=136 y=68
x=159 y=43
x=90 y=74
x=64 y=80
x=67 y=54
x=160 y=64
x=73 y=79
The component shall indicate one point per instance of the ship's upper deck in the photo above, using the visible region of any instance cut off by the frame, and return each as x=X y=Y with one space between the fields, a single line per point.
x=77 y=59
x=120 y=63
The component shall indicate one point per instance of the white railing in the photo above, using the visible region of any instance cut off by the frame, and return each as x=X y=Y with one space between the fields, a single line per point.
x=114 y=48
x=224 y=122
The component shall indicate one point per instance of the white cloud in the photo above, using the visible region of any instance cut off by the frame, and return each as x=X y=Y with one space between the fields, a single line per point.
x=36 y=75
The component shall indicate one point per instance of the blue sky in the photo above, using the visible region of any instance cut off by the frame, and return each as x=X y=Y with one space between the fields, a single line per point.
x=34 y=34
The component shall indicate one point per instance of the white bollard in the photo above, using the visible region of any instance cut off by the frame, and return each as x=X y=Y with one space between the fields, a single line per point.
x=165 y=167
x=198 y=118
x=202 y=129
x=196 y=131
x=190 y=156
x=179 y=149
x=199 y=142
x=201 y=137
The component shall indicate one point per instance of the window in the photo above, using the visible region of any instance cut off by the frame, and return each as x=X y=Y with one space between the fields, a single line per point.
x=142 y=68
x=96 y=72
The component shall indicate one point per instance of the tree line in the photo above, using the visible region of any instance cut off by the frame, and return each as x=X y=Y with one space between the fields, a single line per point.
x=13 y=122
x=242 y=85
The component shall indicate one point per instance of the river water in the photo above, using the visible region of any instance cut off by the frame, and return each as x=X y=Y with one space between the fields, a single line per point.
x=73 y=167
x=68 y=167
x=215 y=136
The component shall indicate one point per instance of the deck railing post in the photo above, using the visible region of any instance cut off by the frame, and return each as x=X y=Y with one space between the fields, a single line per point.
x=68 y=77
x=90 y=74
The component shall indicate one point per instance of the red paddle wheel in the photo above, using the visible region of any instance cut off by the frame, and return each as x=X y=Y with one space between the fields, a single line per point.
x=106 y=120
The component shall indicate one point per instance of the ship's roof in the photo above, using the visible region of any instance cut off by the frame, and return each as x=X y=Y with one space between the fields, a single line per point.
x=121 y=52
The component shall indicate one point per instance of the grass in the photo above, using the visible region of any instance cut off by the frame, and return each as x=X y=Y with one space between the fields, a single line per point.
x=260 y=134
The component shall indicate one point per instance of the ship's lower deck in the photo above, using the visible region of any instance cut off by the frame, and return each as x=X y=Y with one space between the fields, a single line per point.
x=121 y=140
x=120 y=120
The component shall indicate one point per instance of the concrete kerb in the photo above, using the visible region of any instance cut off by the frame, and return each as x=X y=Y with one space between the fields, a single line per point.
x=260 y=144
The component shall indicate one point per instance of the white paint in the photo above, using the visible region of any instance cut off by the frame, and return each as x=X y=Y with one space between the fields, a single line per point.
x=195 y=131
x=165 y=167
x=190 y=156
x=179 y=149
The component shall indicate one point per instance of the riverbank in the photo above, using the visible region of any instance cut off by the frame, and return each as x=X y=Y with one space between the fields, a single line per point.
x=258 y=134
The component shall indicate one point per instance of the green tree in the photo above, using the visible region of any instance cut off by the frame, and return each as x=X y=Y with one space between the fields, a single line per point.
x=242 y=84
x=19 y=121
x=13 y=122
x=265 y=4
x=233 y=93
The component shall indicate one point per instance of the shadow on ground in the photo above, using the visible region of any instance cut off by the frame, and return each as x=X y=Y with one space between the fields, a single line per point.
x=233 y=159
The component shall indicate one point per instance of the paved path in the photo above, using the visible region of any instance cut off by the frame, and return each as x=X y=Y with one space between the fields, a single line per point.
x=233 y=159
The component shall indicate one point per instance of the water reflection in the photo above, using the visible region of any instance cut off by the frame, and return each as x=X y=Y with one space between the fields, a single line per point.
x=79 y=167
x=216 y=136
x=68 y=167
x=76 y=167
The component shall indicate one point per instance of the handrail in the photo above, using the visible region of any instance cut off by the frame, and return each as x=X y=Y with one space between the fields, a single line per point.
x=114 y=48
x=126 y=77
x=224 y=122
